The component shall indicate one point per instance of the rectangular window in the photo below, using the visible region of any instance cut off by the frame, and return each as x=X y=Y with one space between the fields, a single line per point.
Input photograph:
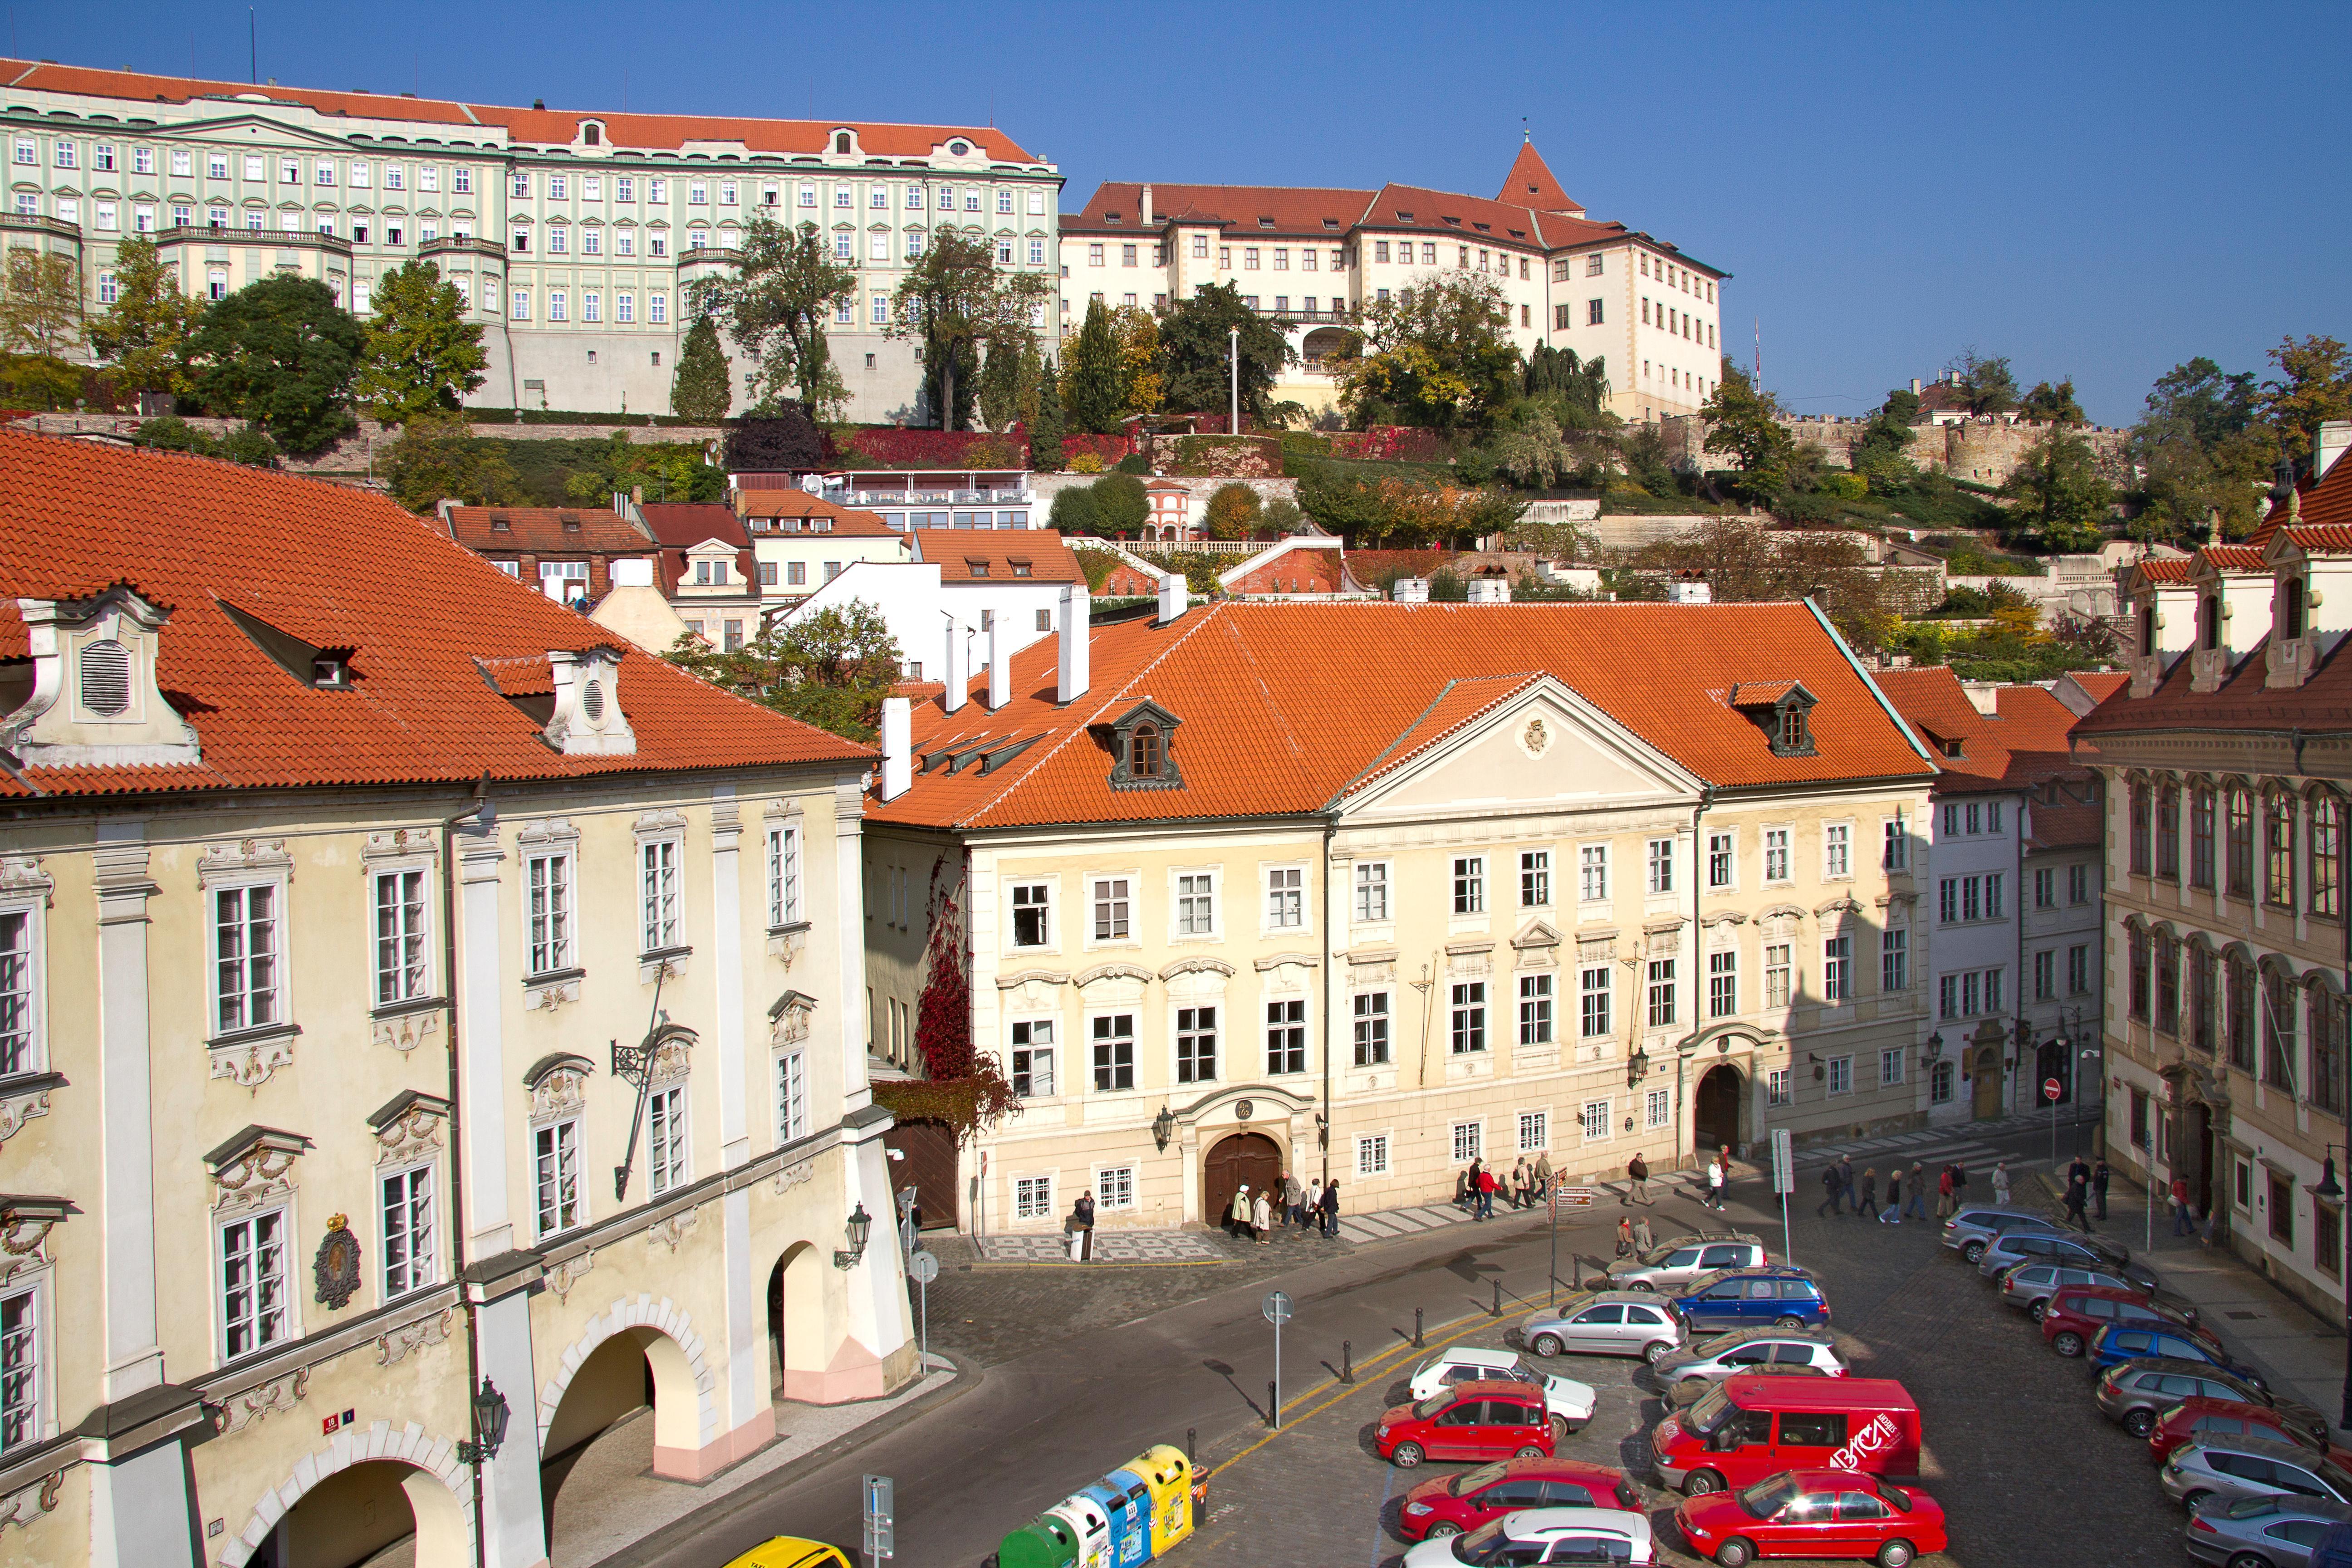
x=792 y=1097
x=1372 y=892
x=1996 y=895
x=2281 y=1215
x=1661 y=993
x=1894 y=961
x=1286 y=898
x=1723 y=984
x=20 y=1371
x=1469 y=1018
x=255 y=1284
x=2200 y=837
x=1841 y=1075
x=1033 y=1197
x=1779 y=1086
x=400 y=938
x=2045 y=887
x=1196 y=905
x=1110 y=901
x=2326 y=848
x=2046 y=976
x=2167 y=833
x=1837 y=850
x=1595 y=992
x=1776 y=855
x=408 y=1235
x=1371 y=1020
x=666 y=1167
x=1895 y=853
x=1115 y=1187
x=1719 y=861
x=244 y=958
x=556 y=1171
x=1661 y=865
x=2078 y=970
x=1468 y=1141
x=547 y=886
x=1196 y=1045
x=1470 y=884
x=1033 y=923
x=784 y=876
x=1286 y=1037
x=1778 y=973
x=1535 y=1131
x=1947 y=996
x=19 y=1044
x=1593 y=873
x=1114 y=1042
x=2327 y=1240
x=1033 y=1059
x=1534 y=879
x=1594 y=1120
x=1890 y=1068
x=659 y=892
x=2241 y=844
x=1372 y=1154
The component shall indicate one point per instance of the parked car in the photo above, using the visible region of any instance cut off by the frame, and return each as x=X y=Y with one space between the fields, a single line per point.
x=1752 y=1298
x=1606 y=1322
x=2252 y=1467
x=1600 y=1535
x=1814 y=1513
x=2076 y=1314
x=1684 y=1259
x=1469 y=1421
x=1449 y=1505
x=2136 y=1394
x=2119 y=1343
x=2203 y=1420
x=2014 y=1246
x=1706 y=1362
x=1749 y=1427
x=1970 y=1228
x=2262 y=1532
x=1568 y=1401
x=2029 y=1286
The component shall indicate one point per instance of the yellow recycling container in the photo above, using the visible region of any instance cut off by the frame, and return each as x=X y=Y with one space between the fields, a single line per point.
x=1168 y=1474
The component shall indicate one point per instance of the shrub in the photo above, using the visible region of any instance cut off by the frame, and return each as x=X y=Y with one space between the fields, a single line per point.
x=787 y=441
x=1086 y=463
x=1133 y=463
x=1121 y=504
x=1074 y=512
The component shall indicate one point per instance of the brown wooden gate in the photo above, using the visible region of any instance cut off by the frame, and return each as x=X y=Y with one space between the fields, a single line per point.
x=931 y=1165
x=1250 y=1157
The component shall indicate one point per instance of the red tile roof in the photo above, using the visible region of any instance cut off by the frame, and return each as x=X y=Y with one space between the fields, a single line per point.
x=548 y=529
x=557 y=127
x=2101 y=684
x=2169 y=568
x=688 y=523
x=2232 y=558
x=799 y=503
x=2022 y=742
x=2320 y=539
x=332 y=565
x=1002 y=550
x=1285 y=707
x=1117 y=207
x=2065 y=827
x=1530 y=185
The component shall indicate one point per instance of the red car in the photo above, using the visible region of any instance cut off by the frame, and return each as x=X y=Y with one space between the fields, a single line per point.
x=2077 y=1312
x=1814 y=1513
x=1451 y=1505
x=2196 y=1419
x=1497 y=1420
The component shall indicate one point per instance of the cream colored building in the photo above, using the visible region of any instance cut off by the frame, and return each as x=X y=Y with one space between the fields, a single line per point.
x=1235 y=906
x=408 y=996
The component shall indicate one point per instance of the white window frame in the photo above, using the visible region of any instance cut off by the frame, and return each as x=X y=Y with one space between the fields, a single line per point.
x=419 y=1214
x=411 y=978
x=1593 y=873
x=788 y=1080
x=1111 y=1066
x=1369 y=1025
x=1180 y=1032
x=24 y=994
x=1659 y=869
x=1592 y=1121
x=1469 y=894
x=1723 y=983
x=1837 y=969
x=1115 y=1189
x=564 y=1136
x=1466 y=1017
x=288 y=1312
x=1895 y=842
x=1535 y=1131
x=1119 y=904
x=1781 y=979
x=1183 y=923
x=1894 y=960
x=786 y=889
x=1033 y=1197
x=1372 y=1154
x=1890 y=1068
x=669 y=1140
x=1375 y=893
x=1284 y=902
x=1538 y=1012
x=1657 y=1108
x=277 y=992
x=1042 y=904
x=1779 y=1086
x=559 y=936
x=1534 y=879
x=29 y=1361
x=1468 y=1141
x=661 y=915
x=1837 y=851
x=1050 y=1047
x=1841 y=1076
x=1779 y=844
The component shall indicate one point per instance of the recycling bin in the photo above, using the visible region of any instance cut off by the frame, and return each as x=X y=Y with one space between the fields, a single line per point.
x=1126 y=1503
x=1168 y=1474
x=1047 y=1543
x=1086 y=1517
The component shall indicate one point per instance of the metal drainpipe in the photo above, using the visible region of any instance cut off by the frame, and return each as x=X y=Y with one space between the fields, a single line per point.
x=1331 y=831
x=456 y=1128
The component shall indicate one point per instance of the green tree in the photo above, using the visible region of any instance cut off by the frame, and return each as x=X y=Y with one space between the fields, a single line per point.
x=704 y=387
x=2060 y=493
x=1746 y=426
x=1007 y=380
x=954 y=299
x=1121 y=505
x=1985 y=385
x=1093 y=393
x=145 y=331
x=1533 y=455
x=437 y=458
x=2314 y=386
x=1234 y=512
x=1140 y=377
x=664 y=470
x=2203 y=455
x=1196 y=357
x=281 y=353
x=1440 y=355
x=775 y=305
x=2049 y=404
x=1045 y=426
x=1575 y=392
x=1280 y=518
x=1074 y=512
x=2206 y=403
x=40 y=305
x=831 y=669
x=422 y=354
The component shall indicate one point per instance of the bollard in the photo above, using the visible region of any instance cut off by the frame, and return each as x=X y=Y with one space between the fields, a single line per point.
x=1347 y=1362
x=1416 y=1328
x=1498 y=1297
x=1192 y=1446
x=1273 y=1411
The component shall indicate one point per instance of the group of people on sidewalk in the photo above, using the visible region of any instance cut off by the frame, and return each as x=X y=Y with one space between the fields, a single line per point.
x=1474 y=1189
x=1310 y=1206
x=2085 y=1182
x=1839 y=1188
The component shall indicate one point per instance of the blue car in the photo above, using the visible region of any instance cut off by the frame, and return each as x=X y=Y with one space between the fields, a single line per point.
x=2119 y=1343
x=1768 y=1297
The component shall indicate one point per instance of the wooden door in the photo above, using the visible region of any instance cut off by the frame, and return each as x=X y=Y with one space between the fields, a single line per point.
x=1246 y=1157
x=929 y=1166
x=1988 y=1082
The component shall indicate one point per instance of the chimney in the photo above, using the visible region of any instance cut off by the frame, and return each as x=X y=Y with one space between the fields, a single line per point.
x=1490 y=589
x=1175 y=596
x=1914 y=387
x=2334 y=436
x=1689 y=588
x=1146 y=206
x=958 y=678
x=1410 y=591
x=1075 y=675
x=897 y=749
x=1984 y=696
x=999 y=666
x=620 y=503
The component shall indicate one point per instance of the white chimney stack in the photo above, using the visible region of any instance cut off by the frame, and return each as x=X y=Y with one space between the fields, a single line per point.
x=1914 y=387
x=952 y=670
x=999 y=666
x=1410 y=591
x=1074 y=676
x=1175 y=596
x=1146 y=206
x=898 y=748
x=2335 y=436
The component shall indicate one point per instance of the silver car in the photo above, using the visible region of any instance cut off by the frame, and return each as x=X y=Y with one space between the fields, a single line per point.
x=1695 y=1367
x=1607 y=1322
x=1684 y=1259
x=2262 y=1532
x=2252 y=1467
x=1973 y=1226
x=2012 y=1248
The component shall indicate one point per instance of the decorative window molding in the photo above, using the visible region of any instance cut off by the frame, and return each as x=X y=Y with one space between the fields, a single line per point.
x=247 y=860
x=25 y=1225
x=254 y=1168
x=788 y=1018
x=408 y=1126
x=1197 y=966
x=1155 y=767
x=1102 y=971
x=558 y=1084
x=588 y=721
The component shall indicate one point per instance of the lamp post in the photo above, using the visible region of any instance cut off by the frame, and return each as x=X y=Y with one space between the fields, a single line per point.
x=2331 y=1190
x=490 y=1413
x=1163 y=1128
x=861 y=1226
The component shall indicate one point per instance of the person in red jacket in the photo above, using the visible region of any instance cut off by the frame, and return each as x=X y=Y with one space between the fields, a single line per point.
x=1486 y=1185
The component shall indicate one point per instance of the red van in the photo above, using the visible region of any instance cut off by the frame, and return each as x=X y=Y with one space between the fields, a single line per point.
x=1753 y=1426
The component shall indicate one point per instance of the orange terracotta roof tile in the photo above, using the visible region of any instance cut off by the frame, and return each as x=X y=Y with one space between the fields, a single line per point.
x=2021 y=742
x=688 y=523
x=967 y=554
x=795 y=502
x=2067 y=826
x=2101 y=684
x=2171 y=569
x=1117 y=207
x=564 y=530
x=2325 y=538
x=1530 y=185
x=2232 y=558
x=1284 y=706
x=437 y=634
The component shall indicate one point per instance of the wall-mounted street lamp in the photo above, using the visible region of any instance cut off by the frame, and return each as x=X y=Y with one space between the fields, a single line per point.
x=490 y=1414
x=861 y=1226
x=1637 y=1068
x=1163 y=1128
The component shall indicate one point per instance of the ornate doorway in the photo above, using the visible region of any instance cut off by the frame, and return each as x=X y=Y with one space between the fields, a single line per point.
x=1246 y=1157
x=1988 y=1082
x=1715 y=1110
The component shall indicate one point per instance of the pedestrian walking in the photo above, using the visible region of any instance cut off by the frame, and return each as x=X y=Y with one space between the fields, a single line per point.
x=1082 y=1229
x=1486 y=1185
x=1725 y=1154
x=1866 y=1206
x=1637 y=1176
x=1959 y=1184
x=1543 y=1172
x=1262 y=1219
x=1240 y=1213
x=1330 y=1208
x=1718 y=1177
x=1831 y=1192
x=1644 y=1239
x=2100 y=1175
x=1624 y=1236
x=1294 y=1201
x=2079 y=1170
x=1944 y=1203
x=1893 y=1212
x=2000 y=1183
x=2183 y=1222
x=2077 y=1194
x=1917 y=1205
x=1520 y=1183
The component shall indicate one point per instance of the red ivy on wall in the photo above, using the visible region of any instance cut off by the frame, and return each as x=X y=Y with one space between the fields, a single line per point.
x=943 y=1012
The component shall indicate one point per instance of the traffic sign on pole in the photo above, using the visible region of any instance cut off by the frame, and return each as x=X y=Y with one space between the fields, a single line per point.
x=1784 y=1163
x=2052 y=1089
x=879 y=1531
x=1277 y=1308
x=1573 y=1197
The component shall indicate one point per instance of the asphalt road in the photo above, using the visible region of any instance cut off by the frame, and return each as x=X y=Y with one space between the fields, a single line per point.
x=2028 y=1471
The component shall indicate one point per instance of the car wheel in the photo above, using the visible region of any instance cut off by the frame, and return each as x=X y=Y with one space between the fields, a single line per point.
x=2139 y=1423
x=1735 y=1552
x=1640 y=1284
x=2193 y=1501
x=1529 y=1451
x=1440 y=1532
x=1972 y=1253
x=1785 y=1322
x=2066 y=1342
x=1405 y=1456
x=1546 y=1344
x=2034 y=1309
x=1698 y=1483
x=1895 y=1554
x=1562 y=1429
x=1656 y=1351
x=2250 y=1559
x=2254 y=1382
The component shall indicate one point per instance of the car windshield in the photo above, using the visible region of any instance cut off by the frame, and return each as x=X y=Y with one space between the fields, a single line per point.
x=1765 y=1499
x=1526 y=1373
x=1484 y=1544
x=1434 y=1404
x=1702 y=1418
x=1470 y=1481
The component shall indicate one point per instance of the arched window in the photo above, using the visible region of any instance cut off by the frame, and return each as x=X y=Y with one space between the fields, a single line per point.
x=2327 y=854
x=2278 y=850
x=2326 y=1088
x=2238 y=983
x=105 y=676
x=593 y=135
x=2200 y=837
x=841 y=141
x=2142 y=829
x=2241 y=829
x=2167 y=832
x=2167 y=982
x=2147 y=629
x=1145 y=754
x=2290 y=607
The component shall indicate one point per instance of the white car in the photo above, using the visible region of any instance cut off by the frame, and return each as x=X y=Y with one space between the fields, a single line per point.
x=1598 y=1535
x=1569 y=1402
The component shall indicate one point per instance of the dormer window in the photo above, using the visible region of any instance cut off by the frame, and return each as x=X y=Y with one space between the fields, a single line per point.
x=1954 y=748
x=1793 y=739
x=1783 y=709
x=499 y=524
x=1141 y=756
x=1147 y=752
x=2147 y=630
x=979 y=568
x=106 y=677
x=841 y=144
x=592 y=134
x=91 y=697
x=1021 y=568
x=2291 y=601
x=329 y=674
x=2208 y=621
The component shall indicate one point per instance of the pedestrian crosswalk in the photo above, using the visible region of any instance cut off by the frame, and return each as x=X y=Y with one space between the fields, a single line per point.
x=1389 y=1223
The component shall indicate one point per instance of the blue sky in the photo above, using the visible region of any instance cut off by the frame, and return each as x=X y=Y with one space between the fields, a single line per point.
x=2097 y=191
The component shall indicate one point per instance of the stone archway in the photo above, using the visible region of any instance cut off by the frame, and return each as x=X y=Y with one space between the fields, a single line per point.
x=674 y=1373
x=351 y=1487
x=1238 y=1158
x=796 y=1328
x=1719 y=1110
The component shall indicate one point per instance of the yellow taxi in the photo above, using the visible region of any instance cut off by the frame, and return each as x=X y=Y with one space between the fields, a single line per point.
x=792 y=1552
